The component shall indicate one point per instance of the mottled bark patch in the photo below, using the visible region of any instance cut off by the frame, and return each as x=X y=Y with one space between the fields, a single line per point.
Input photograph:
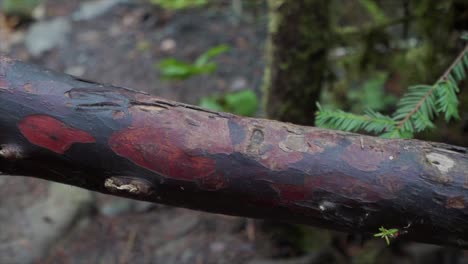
x=289 y=193
x=118 y=114
x=148 y=108
x=318 y=140
x=3 y=67
x=457 y=202
x=3 y=84
x=257 y=137
x=44 y=87
x=50 y=133
x=294 y=143
x=369 y=157
x=440 y=161
x=28 y=88
x=391 y=183
x=3 y=81
x=159 y=150
x=348 y=187
x=96 y=99
x=262 y=143
x=237 y=132
x=212 y=134
x=165 y=144
x=213 y=182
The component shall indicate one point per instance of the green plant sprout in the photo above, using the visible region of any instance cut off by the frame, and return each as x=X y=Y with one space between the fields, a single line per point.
x=387 y=234
x=415 y=111
x=174 y=69
x=244 y=103
x=19 y=7
x=179 y=4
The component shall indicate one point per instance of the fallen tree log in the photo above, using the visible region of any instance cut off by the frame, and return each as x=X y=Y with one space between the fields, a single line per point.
x=127 y=143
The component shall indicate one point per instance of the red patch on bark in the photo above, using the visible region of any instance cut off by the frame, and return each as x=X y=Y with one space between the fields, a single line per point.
x=52 y=134
x=290 y=193
x=348 y=187
x=213 y=182
x=162 y=152
x=175 y=143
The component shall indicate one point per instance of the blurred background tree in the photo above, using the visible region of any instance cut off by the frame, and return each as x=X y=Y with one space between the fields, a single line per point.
x=358 y=55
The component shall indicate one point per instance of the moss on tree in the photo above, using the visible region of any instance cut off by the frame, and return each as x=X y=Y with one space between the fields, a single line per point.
x=299 y=33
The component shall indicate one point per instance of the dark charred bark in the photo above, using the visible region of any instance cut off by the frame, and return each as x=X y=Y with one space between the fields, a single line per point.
x=127 y=143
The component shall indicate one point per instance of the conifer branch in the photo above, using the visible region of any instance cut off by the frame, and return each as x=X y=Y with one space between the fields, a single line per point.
x=415 y=110
x=444 y=77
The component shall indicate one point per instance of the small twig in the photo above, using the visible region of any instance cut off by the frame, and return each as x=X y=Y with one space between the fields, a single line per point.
x=250 y=230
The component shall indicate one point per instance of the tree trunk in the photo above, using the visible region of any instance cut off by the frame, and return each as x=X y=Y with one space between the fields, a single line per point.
x=127 y=143
x=299 y=33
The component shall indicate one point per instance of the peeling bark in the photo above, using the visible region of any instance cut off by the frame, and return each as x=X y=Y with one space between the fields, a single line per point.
x=118 y=141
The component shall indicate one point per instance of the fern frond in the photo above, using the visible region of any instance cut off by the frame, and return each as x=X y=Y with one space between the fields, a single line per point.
x=371 y=122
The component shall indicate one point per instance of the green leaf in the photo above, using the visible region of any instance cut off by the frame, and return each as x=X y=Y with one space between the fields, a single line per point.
x=210 y=54
x=179 y=4
x=175 y=69
x=211 y=103
x=375 y=11
x=243 y=103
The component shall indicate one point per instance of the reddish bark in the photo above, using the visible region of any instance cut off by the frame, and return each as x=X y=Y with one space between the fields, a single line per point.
x=52 y=134
x=127 y=143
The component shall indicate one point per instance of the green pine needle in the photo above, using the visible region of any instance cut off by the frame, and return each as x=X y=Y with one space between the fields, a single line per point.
x=371 y=122
x=415 y=112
